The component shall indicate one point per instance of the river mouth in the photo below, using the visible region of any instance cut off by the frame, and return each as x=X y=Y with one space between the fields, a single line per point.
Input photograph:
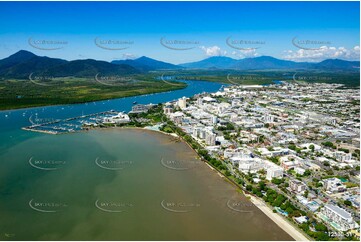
x=121 y=184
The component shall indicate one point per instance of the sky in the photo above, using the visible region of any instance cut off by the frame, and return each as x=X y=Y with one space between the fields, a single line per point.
x=180 y=32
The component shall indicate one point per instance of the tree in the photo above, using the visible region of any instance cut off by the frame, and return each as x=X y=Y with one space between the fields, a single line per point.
x=289 y=210
x=307 y=172
x=261 y=185
x=347 y=202
x=228 y=173
x=277 y=181
x=305 y=194
x=320 y=227
x=322 y=236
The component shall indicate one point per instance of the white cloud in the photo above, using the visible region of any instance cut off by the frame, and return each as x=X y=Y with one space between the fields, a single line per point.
x=245 y=53
x=323 y=53
x=129 y=56
x=213 y=51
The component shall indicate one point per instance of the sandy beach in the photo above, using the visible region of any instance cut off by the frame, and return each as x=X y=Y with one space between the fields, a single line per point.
x=279 y=220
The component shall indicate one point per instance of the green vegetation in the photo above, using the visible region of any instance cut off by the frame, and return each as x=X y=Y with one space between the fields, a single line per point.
x=24 y=93
x=329 y=144
x=260 y=77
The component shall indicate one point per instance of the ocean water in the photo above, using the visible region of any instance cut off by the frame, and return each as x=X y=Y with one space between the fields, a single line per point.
x=116 y=184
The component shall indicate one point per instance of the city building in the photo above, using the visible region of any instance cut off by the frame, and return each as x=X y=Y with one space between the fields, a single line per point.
x=297 y=186
x=337 y=217
x=139 y=108
x=210 y=138
x=274 y=172
x=182 y=103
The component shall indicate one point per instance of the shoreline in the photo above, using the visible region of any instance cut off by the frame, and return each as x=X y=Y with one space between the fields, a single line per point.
x=80 y=103
x=280 y=221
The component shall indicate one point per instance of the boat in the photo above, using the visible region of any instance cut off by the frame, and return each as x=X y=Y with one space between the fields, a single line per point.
x=134 y=102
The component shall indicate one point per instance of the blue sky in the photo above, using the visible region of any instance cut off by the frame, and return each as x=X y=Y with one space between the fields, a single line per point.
x=191 y=31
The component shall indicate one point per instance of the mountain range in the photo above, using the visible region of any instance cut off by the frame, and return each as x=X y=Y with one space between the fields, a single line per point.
x=23 y=63
x=268 y=62
x=147 y=64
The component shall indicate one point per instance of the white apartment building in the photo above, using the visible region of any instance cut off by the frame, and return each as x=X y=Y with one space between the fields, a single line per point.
x=333 y=185
x=339 y=216
x=120 y=118
x=342 y=156
x=297 y=186
x=274 y=172
x=182 y=102
x=210 y=137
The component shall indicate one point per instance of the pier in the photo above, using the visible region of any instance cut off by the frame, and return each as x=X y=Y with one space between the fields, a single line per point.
x=71 y=125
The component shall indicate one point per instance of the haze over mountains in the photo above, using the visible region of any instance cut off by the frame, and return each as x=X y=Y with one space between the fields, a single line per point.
x=268 y=62
x=22 y=63
x=147 y=64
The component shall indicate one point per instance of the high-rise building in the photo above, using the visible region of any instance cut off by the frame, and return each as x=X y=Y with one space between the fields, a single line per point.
x=182 y=102
x=274 y=172
x=210 y=138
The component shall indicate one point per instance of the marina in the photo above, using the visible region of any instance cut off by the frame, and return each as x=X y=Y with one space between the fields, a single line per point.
x=71 y=125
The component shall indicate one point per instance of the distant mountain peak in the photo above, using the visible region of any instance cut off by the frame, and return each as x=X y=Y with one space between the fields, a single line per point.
x=24 y=54
x=146 y=64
